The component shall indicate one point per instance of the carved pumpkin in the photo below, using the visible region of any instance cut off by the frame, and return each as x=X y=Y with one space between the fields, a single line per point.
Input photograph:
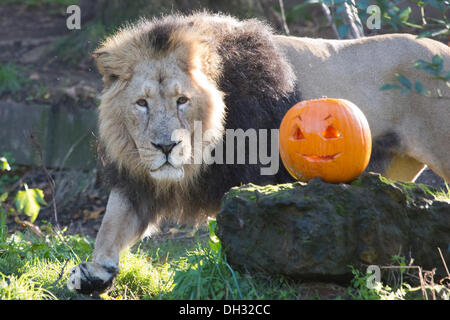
x=326 y=138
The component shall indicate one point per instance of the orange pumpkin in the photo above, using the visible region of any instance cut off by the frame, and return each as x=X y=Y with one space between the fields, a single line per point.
x=326 y=138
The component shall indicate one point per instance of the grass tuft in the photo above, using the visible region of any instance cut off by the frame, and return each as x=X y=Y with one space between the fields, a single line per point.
x=11 y=80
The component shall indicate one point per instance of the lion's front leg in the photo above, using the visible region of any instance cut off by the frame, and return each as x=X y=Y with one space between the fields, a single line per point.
x=121 y=228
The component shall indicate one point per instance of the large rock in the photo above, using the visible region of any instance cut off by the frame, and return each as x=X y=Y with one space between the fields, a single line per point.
x=315 y=231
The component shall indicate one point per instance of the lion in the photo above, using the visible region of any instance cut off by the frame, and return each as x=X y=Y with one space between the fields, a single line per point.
x=161 y=76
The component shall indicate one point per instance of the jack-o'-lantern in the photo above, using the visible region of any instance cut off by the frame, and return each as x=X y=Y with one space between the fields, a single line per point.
x=326 y=138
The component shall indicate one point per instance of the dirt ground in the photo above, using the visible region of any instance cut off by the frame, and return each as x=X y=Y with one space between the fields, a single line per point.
x=26 y=35
x=36 y=30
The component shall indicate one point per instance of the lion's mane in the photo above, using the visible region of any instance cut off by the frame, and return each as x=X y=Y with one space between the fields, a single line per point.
x=246 y=65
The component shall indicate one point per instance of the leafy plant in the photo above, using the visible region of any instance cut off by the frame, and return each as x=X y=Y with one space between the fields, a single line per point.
x=33 y=267
x=26 y=201
x=359 y=290
x=435 y=68
x=390 y=14
x=399 y=18
x=4 y=165
x=214 y=241
x=3 y=226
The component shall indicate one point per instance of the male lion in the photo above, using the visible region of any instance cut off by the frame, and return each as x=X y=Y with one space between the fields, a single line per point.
x=164 y=75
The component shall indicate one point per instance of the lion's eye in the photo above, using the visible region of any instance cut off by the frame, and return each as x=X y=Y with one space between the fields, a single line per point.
x=142 y=103
x=182 y=100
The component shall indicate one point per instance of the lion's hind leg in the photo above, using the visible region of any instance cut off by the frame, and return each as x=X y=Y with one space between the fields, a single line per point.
x=120 y=228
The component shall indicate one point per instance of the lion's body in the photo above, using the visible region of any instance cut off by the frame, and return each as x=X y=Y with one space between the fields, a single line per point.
x=164 y=75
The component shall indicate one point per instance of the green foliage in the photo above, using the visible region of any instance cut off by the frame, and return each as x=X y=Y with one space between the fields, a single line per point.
x=400 y=19
x=7 y=163
x=4 y=165
x=203 y=275
x=139 y=278
x=3 y=226
x=391 y=14
x=443 y=194
x=28 y=201
x=22 y=287
x=358 y=289
x=11 y=80
x=3 y=195
x=434 y=68
x=30 y=267
x=214 y=242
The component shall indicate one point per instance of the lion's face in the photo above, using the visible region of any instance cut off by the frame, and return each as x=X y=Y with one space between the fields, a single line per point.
x=159 y=106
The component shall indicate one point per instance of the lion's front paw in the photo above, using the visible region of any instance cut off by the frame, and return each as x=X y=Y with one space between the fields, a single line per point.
x=90 y=277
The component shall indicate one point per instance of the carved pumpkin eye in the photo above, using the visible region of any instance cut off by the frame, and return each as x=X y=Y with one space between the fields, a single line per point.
x=331 y=133
x=298 y=134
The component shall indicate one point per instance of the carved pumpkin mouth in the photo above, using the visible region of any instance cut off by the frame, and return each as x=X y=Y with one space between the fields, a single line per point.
x=317 y=158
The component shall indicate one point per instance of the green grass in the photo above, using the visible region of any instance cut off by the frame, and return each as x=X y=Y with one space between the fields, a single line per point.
x=189 y=270
x=30 y=268
x=443 y=194
x=11 y=79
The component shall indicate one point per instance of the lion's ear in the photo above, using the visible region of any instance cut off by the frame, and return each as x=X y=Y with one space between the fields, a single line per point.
x=107 y=66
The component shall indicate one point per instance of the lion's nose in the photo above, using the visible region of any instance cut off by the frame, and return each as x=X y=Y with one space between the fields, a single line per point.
x=165 y=148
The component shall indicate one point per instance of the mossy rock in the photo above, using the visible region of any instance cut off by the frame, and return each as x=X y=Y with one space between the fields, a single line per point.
x=316 y=230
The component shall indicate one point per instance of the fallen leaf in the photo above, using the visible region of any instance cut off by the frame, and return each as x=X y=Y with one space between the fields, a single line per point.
x=90 y=215
x=34 y=76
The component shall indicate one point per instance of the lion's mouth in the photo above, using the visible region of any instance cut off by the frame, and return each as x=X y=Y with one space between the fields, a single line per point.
x=319 y=158
x=164 y=165
x=167 y=172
